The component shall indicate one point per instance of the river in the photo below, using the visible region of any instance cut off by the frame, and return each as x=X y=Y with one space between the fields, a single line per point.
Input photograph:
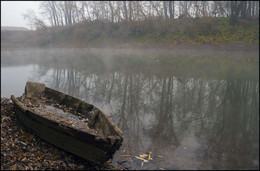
x=188 y=109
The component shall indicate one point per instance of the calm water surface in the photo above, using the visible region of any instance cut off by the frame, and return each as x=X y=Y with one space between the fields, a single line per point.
x=191 y=110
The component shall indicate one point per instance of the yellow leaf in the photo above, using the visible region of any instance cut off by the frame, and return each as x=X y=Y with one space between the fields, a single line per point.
x=143 y=155
x=125 y=155
x=22 y=131
x=11 y=139
x=149 y=158
x=141 y=159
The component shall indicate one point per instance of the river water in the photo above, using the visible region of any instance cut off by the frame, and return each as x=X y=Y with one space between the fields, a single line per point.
x=188 y=109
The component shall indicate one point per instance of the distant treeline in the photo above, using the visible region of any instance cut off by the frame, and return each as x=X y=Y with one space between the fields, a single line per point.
x=195 y=31
x=11 y=28
x=61 y=13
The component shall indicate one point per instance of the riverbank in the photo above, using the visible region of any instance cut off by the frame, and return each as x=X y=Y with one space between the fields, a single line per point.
x=240 y=46
x=21 y=149
x=200 y=33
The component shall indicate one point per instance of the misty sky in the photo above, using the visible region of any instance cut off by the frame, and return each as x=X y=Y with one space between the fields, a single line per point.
x=11 y=12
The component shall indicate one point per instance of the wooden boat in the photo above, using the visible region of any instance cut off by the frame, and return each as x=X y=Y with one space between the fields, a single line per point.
x=97 y=142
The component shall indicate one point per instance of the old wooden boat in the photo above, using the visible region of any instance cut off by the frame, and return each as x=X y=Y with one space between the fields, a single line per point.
x=68 y=123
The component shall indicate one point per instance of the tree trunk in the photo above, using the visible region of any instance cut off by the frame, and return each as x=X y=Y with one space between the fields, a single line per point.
x=130 y=10
x=235 y=10
x=253 y=9
x=243 y=10
x=112 y=11
x=249 y=9
x=125 y=11
x=170 y=9
x=165 y=10
x=173 y=10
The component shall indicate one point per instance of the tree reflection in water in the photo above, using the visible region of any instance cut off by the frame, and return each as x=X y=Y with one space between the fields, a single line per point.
x=158 y=107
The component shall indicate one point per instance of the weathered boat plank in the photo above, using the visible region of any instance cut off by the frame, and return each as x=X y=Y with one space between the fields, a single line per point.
x=78 y=105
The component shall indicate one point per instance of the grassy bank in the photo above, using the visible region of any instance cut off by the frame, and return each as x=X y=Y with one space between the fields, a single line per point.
x=175 y=32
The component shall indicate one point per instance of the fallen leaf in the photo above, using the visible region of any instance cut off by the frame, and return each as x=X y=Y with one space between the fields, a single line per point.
x=143 y=155
x=125 y=155
x=141 y=159
x=24 y=159
x=12 y=141
x=14 y=167
x=149 y=158
x=23 y=143
x=22 y=131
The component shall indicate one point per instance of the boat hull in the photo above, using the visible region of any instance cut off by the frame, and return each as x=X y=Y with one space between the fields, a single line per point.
x=94 y=148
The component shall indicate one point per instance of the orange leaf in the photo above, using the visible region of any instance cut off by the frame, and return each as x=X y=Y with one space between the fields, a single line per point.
x=14 y=167
x=125 y=155
x=149 y=158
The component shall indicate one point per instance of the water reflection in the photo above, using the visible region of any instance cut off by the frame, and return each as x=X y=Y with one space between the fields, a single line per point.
x=192 y=122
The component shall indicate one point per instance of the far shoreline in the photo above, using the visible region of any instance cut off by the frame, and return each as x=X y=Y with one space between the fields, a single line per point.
x=236 y=46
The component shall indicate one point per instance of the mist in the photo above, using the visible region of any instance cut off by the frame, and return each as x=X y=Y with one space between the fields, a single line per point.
x=179 y=78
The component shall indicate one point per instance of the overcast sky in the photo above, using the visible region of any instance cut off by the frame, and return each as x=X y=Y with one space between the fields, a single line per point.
x=11 y=12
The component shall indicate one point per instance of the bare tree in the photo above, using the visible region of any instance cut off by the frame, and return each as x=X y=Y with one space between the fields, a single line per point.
x=33 y=21
x=125 y=10
x=156 y=5
x=111 y=6
x=61 y=13
x=235 y=9
x=165 y=9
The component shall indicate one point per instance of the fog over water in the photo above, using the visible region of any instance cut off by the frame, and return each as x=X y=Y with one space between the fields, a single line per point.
x=190 y=109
